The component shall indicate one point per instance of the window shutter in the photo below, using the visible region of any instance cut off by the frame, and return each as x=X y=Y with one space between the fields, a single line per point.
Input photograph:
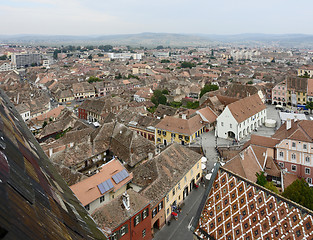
x=147 y=210
x=135 y=221
x=126 y=228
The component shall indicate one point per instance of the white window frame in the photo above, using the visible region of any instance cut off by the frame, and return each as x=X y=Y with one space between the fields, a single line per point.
x=160 y=206
x=307 y=159
x=295 y=168
x=293 y=156
x=307 y=171
x=145 y=213
x=123 y=230
x=137 y=220
x=102 y=199
x=309 y=180
x=281 y=164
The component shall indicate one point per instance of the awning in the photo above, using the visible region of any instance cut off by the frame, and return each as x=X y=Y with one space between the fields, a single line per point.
x=204 y=159
x=208 y=176
x=174 y=214
x=203 y=166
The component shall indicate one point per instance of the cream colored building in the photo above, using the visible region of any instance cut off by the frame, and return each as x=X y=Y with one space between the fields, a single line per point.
x=140 y=68
x=305 y=69
x=103 y=186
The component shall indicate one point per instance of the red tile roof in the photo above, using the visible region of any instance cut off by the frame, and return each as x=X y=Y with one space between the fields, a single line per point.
x=246 y=107
x=87 y=190
x=179 y=125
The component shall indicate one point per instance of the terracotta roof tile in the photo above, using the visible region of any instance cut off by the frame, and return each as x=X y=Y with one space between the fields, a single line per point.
x=179 y=125
x=87 y=191
x=113 y=214
x=246 y=107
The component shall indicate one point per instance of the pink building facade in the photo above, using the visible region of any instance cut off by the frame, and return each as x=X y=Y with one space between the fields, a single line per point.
x=279 y=94
x=297 y=157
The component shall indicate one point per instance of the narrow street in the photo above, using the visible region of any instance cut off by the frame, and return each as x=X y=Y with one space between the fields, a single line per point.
x=178 y=230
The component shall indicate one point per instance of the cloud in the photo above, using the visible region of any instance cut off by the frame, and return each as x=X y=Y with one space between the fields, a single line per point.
x=84 y=17
x=56 y=17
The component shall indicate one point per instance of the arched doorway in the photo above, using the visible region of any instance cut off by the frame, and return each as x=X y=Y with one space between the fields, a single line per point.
x=230 y=134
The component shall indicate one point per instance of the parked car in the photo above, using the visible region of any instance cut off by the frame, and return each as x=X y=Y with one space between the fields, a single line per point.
x=306 y=113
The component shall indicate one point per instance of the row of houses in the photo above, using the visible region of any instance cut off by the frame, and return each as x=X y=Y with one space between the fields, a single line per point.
x=293 y=91
x=83 y=90
x=134 y=203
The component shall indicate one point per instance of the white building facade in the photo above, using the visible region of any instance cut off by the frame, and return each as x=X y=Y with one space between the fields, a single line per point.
x=240 y=118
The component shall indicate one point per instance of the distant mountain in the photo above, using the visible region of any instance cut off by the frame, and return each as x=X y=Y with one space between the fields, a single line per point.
x=166 y=39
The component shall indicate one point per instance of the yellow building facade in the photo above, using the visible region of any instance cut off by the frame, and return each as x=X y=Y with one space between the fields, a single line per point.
x=182 y=131
x=303 y=70
x=182 y=189
x=301 y=97
x=166 y=137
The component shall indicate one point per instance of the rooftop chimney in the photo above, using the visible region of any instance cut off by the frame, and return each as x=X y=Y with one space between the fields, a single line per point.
x=126 y=200
x=288 y=124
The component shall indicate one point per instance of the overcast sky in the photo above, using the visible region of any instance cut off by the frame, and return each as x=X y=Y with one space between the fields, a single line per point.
x=102 y=17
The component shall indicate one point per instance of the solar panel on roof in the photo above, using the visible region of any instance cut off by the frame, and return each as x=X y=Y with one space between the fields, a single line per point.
x=120 y=176
x=101 y=189
x=105 y=186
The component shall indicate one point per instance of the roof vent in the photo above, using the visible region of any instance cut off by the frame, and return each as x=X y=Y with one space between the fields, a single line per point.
x=126 y=200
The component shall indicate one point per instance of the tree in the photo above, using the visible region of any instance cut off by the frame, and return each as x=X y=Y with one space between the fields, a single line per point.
x=272 y=187
x=165 y=61
x=187 y=65
x=44 y=124
x=165 y=91
x=192 y=105
x=55 y=53
x=309 y=105
x=250 y=82
x=300 y=192
x=175 y=104
x=3 y=57
x=119 y=76
x=158 y=98
x=93 y=79
x=261 y=179
x=90 y=57
x=208 y=88
x=159 y=47
x=106 y=48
